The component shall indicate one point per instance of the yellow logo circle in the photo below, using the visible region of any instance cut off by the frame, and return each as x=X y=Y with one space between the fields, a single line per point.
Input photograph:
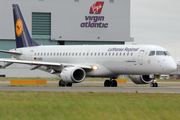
x=19 y=27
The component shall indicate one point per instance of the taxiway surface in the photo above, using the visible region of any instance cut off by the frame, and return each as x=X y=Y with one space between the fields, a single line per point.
x=96 y=89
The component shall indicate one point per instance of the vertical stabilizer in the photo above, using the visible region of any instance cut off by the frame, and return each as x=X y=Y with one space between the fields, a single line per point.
x=23 y=38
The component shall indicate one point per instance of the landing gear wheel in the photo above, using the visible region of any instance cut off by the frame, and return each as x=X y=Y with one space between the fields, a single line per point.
x=61 y=83
x=107 y=83
x=113 y=83
x=69 y=85
x=154 y=84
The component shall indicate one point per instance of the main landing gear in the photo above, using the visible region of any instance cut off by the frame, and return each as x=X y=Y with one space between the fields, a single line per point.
x=154 y=84
x=110 y=83
x=63 y=84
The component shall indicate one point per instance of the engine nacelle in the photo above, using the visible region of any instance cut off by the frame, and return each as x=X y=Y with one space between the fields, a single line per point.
x=141 y=79
x=73 y=75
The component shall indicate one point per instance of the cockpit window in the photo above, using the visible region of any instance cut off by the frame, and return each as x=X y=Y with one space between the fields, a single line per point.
x=162 y=53
x=167 y=53
x=152 y=53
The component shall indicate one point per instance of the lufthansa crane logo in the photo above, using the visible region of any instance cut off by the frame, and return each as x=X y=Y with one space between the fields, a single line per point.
x=19 y=27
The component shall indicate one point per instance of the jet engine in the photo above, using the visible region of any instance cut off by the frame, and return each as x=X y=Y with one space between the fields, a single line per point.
x=73 y=75
x=141 y=79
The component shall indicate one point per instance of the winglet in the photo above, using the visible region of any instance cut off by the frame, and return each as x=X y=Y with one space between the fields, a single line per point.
x=23 y=38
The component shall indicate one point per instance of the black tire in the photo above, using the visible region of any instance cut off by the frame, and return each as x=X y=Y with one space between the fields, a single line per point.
x=152 y=85
x=69 y=85
x=155 y=85
x=61 y=83
x=107 y=83
x=113 y=83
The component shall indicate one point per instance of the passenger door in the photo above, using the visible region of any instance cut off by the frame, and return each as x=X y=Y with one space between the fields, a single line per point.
x=140 y=57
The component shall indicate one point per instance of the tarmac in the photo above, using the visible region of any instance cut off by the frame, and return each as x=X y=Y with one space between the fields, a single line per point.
x=137 y=89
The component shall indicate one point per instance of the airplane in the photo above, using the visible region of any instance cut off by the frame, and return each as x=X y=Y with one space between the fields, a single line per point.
x=73 y=63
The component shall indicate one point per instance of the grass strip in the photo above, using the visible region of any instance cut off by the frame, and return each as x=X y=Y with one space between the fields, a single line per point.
x=88 y=105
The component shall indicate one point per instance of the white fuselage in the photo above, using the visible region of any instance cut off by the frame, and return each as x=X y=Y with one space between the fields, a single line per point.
x=111 y=60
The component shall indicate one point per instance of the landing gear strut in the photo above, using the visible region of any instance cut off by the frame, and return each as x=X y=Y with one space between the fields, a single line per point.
x=110 y=83
x=63 y=84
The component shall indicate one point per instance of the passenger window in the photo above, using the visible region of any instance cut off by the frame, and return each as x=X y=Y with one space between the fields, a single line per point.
x=54 y=54
x=44 y=54
x=102 y=54
x=116 y=54
x=124 y=54
x=152 y=53
x=120 y=54
x=131 y=54
x=34 y=53
x=47 y=54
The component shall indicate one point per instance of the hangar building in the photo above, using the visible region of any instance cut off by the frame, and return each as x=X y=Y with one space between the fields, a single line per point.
x=65 y=22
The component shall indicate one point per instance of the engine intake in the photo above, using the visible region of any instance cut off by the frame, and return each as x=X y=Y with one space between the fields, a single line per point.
x=141 y=79
x=73 y=75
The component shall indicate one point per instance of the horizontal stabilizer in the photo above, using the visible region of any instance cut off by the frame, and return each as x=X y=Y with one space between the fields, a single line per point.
x=11 y=52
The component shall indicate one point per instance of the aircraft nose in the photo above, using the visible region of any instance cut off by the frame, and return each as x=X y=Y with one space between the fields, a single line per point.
x=172 y=66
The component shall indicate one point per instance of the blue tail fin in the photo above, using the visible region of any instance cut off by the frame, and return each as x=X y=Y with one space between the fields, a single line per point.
x=23 y=38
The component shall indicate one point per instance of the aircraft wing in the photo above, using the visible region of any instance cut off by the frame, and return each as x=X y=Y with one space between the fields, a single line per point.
x=40 y=63
x=11 y=61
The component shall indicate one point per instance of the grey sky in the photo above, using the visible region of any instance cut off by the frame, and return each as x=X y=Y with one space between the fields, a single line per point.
x=156 y=22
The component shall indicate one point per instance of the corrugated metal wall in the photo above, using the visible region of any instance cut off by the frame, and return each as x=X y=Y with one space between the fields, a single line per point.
x=41 y=25
x=41 y=28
